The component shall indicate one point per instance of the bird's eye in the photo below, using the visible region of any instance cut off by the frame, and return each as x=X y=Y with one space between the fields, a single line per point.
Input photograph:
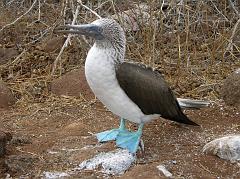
x=99 y=29
x=96 y=29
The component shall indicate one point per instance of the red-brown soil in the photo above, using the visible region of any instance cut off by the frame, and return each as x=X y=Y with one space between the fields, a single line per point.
x=52 y=133
x=45 y=134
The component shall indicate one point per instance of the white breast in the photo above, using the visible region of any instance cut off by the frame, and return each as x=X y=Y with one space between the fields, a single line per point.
x=100 y=75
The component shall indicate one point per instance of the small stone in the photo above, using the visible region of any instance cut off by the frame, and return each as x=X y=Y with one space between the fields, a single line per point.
x=227 y=148
x=6 y=54
x=18 y=141
x=53 y=45
x=21 y=163
x=6 y=97
x=231 y=89
x=52 y=175
x=4 y=138
x=73 y=83
x=165 y=172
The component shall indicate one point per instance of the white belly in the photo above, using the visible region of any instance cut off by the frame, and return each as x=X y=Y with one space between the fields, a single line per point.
x=100 y=75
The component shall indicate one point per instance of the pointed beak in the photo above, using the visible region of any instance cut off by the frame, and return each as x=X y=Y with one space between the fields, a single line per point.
x=90 y=30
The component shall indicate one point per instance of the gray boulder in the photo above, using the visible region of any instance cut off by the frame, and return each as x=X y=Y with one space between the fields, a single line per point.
x=231 y=89
x=6 y=97
x=72 y=83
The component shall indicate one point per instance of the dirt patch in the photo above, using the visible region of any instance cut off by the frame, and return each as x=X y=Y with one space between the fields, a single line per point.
x=53 y=45
x=4 y=138
x=6 y=97
x=231 y=89
x=62 y=139
x=73 y=83
x=55 y=132
x=6 y=54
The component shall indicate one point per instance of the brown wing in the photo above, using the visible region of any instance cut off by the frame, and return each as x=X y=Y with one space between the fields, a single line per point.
x=147 y=88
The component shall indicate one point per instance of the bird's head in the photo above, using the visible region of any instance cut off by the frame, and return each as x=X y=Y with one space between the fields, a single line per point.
x=104 y=31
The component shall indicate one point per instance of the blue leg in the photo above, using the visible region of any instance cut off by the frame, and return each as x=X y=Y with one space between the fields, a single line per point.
x=111 y=134
x=130 y=140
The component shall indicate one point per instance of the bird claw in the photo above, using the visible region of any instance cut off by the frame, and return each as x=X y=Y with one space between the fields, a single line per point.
x=124 y=138
x=107 y=135
x=129 y=141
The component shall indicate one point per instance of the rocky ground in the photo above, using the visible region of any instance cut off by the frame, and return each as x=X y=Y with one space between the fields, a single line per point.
x=48 y=122
x=55 y=137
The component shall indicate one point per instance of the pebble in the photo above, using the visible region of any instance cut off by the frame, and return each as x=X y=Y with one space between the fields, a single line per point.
x=72 y=83
x=230 y=91
x=4 y=138
x=6 y=97
x=227 y=148
x=22 y=163
x=165 y=172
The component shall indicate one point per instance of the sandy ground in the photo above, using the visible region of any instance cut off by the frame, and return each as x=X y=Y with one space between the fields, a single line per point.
x=51 y=137
x=56 y=134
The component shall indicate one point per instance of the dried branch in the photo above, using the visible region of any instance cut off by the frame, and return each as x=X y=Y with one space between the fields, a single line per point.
x=230 y=44
x=234 y=8
x=19 y=16
x=66 y=42
x=219 y=11
x=39 y=10
x=10 y=2
x=42 y=34
x=92 y=11
x=69 y=36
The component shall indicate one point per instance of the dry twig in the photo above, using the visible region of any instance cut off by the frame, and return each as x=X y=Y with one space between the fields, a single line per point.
x=92 y=11
x=219 y=10
x=234 y=8
x=66 y=42
x=69 y=36
x=230 y=44
x=7 y=25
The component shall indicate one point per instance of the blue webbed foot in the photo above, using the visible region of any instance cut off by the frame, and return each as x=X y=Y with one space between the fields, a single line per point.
x=107 y=135
x=111 y=134
x=129 y=140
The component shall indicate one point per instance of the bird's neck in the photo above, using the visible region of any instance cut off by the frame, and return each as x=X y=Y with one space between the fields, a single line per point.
x=115 y=51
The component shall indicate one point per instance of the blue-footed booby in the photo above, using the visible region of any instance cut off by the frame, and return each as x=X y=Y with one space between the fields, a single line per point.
x=131 y=91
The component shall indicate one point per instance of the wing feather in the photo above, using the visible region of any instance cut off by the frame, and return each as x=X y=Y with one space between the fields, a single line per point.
x=148 y=89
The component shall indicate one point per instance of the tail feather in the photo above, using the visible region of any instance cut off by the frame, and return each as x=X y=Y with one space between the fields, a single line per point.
x=182 y=118
x=192 y=104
